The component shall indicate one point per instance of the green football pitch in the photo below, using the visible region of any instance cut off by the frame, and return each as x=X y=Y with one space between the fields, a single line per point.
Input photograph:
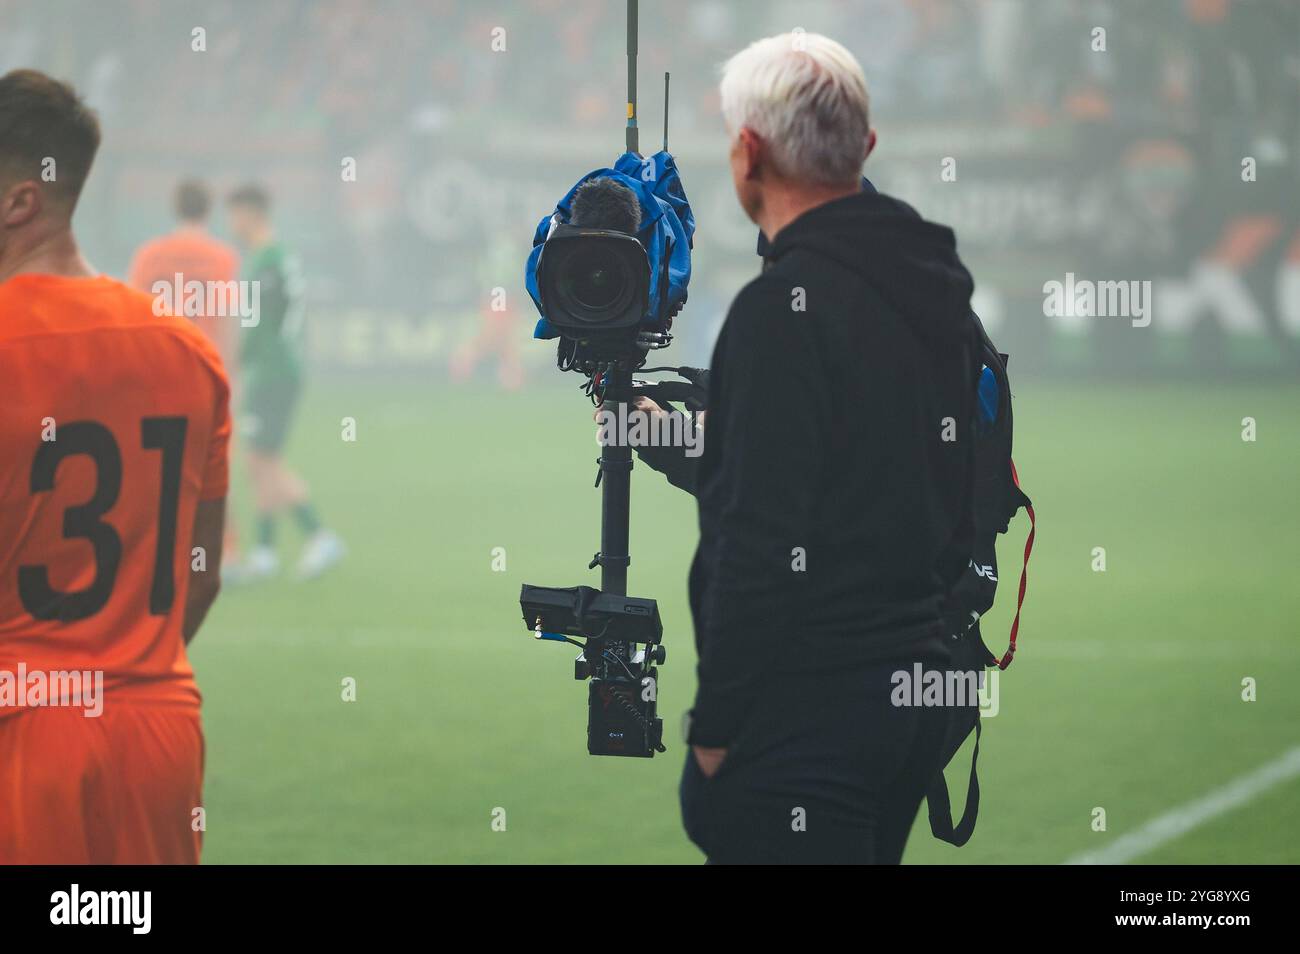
x=1126 y=696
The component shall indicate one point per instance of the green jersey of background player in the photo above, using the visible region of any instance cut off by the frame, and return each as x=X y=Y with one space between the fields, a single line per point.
x=270 y=378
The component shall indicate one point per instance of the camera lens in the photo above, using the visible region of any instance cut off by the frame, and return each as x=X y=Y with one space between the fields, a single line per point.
x=593 y=281
x=598 y=280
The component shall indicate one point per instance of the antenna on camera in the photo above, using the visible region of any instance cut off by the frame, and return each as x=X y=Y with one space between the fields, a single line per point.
x=665 y=110
x=632 y=143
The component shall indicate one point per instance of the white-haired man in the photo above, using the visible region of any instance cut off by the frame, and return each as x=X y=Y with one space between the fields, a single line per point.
x=832 y=526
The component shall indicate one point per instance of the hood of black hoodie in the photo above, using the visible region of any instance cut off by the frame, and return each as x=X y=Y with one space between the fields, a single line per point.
x=910 y=262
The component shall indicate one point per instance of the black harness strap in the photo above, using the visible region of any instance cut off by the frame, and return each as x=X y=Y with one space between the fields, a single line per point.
x=941 y=809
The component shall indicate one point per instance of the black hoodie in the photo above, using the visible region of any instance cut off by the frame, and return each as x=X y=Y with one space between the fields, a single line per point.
x=835 y=486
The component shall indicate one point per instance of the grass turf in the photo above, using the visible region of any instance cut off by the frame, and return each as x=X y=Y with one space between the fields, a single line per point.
x=1126 y=694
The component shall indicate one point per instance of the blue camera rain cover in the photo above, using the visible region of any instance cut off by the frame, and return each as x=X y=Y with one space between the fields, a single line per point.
x=667 y=228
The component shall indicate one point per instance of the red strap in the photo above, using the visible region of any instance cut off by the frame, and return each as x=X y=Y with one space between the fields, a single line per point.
x=1024 y=574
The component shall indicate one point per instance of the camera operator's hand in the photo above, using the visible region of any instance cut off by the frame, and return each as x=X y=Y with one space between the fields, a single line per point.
x=677 y=460
x=647 y=406
x=709 y=760
x=642 y=403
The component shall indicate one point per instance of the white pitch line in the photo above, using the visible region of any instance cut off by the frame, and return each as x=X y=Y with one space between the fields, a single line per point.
x=1179 y=821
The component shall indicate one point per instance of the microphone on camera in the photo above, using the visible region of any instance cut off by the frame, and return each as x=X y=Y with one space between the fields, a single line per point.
x=607 y=204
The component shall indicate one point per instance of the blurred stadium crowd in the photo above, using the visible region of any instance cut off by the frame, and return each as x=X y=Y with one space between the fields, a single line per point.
x=1123 y=163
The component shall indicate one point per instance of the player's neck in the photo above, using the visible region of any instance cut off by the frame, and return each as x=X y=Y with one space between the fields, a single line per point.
x=55 y=253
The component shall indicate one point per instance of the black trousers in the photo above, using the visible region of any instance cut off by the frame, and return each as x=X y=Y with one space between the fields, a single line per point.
x=826 y=770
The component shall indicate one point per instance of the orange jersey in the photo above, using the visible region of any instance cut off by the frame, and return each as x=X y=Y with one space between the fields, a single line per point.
x=115 y=424
x=196 y=256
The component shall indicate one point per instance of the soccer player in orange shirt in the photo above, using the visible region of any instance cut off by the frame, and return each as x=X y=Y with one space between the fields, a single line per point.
x=190 y=253
x=113 y=477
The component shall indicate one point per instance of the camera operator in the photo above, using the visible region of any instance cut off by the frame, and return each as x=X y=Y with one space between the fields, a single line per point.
x=836 y=516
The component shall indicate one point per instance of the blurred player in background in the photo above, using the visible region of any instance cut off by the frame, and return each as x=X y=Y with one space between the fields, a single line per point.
x=112 y=499
x=496 y=335
x=270 y=366
x=191 y=253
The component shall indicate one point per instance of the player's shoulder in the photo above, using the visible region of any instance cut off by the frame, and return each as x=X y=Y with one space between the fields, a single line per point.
x=183 y=329
x=102 y=307
x=40 y=304
x=145 y=313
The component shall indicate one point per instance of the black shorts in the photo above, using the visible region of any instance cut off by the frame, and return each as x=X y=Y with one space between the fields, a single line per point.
x=267 y=414
x=826 y=770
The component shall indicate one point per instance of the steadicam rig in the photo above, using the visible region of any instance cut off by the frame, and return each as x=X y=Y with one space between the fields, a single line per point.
x=608 y=272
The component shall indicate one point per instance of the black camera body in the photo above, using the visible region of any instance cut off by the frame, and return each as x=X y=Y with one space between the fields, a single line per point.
x=622 y=697
x=620 y=720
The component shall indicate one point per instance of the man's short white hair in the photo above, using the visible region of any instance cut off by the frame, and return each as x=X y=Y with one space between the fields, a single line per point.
x=805 y=96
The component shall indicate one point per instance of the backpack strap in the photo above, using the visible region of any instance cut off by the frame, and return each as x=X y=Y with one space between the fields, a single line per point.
x=1005 y=661
x=940 y=807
